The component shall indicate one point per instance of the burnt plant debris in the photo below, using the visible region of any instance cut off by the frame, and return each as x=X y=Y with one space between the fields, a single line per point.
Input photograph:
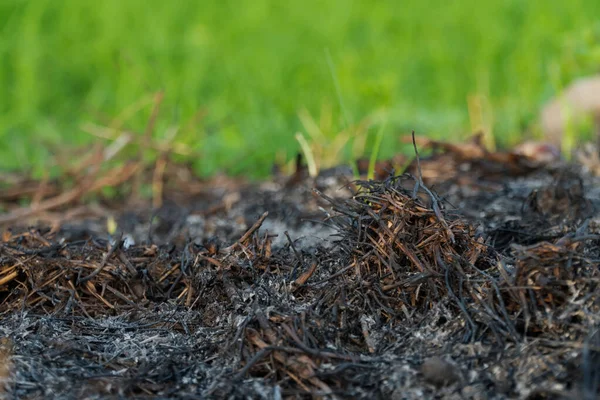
x=470 y=288
x=408 y=253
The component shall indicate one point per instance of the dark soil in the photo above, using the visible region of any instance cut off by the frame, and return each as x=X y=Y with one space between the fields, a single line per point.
x=476 y=284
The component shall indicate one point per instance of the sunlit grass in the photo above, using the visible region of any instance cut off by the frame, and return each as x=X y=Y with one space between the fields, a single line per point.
x=375 y=151
x=236 y=74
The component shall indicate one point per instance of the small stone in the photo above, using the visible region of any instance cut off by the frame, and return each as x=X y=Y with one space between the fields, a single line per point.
x=439 y=372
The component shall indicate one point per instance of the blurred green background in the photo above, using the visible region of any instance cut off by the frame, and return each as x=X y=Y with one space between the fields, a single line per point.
x=235 y=74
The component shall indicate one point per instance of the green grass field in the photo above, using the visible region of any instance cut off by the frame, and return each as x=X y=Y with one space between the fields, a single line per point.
x=235 y=74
